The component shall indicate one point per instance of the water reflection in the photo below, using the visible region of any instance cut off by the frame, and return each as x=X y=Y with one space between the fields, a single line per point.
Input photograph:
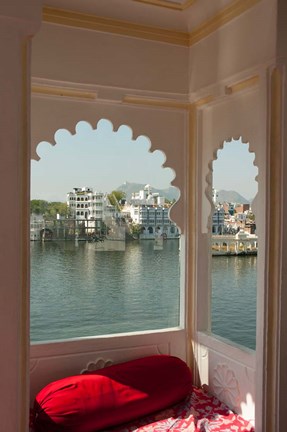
x=234 y=281
x=77 y=291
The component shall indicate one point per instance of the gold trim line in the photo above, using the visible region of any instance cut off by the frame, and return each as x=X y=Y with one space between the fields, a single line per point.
x=124 y=28
x=274 y=249
x=203 y=101
x=168 y=4
x=92 y=22
x=63 y=92
x=223 y=17
x=158 y=103
x=242 y=85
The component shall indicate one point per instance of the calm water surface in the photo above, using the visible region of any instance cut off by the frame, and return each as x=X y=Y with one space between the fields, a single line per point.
x=83 y=290
x=234 y=282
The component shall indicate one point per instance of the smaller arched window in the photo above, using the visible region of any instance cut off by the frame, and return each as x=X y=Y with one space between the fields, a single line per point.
x=233 y=264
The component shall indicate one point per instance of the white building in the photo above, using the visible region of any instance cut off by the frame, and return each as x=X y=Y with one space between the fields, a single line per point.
x=218 y=221
x=85 y=204
x=214 y=195
x=146 y=196
x=147 y=209
x=37 y=223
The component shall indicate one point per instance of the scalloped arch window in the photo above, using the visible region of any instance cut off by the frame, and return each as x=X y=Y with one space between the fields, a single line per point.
x=104 y=270
x=234 y=244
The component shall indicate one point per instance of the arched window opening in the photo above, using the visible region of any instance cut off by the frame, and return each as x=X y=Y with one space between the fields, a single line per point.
x=234 y=245
x=98 y=274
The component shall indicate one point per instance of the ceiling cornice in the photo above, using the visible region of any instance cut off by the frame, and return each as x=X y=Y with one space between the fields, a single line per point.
x=92 y=22
x=235 y=9
x=168 y=4
x=124 y=28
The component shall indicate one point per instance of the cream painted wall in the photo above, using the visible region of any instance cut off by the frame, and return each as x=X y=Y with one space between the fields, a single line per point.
x=83 y=56
x=17 y=23
x=281 y=370
x=243 y=44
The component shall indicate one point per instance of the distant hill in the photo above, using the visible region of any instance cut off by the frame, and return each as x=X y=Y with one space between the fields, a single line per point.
x=129 y=188
x=173 y=193
x=232 y=197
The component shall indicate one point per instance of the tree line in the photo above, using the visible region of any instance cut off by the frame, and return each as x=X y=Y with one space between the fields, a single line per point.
x=49 y=210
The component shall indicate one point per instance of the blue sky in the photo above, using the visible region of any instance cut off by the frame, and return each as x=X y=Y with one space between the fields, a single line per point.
x=99 y=158
x=103 y=159
x=234 y=169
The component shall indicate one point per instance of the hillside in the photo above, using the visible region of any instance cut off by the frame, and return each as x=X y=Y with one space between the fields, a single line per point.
x=232 y=197
x=129 y=188
x=173 y=193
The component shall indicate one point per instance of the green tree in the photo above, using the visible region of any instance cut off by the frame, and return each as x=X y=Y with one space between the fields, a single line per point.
x=55 y=208
x=169 y=202
x=115 y=198
x=49 y=209
x=135 y=229
x=39 y=207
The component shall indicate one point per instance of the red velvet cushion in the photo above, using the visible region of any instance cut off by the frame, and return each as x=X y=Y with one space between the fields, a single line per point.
x=111 y=396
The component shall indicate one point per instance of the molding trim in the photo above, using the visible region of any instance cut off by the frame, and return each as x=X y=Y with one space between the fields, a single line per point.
x=204 y=101
x=124 y=28
x=168 y=4
x=274 y=247
x=193 y=347
x=62 y=92
x=24 y=158
x=156 y=103
x=235 y=9
x=152 y=102
x=92 y=22
x=242 y=85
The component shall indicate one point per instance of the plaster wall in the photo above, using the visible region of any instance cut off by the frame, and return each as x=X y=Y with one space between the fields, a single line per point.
x=17 y=23
x=242 y=114
x=282 y=354
x=243 y=44
x=83 y=56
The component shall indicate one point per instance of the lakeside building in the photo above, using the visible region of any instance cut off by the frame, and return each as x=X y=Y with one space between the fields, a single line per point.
x=218 y=221
x=149 y=211
x=91 y=213
x=241 y=243
x=91 y=209
x=85 y=204
x=37 y=224
x=229 y=218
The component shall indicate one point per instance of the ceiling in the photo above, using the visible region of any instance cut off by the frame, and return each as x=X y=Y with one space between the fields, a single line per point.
x=176 y=15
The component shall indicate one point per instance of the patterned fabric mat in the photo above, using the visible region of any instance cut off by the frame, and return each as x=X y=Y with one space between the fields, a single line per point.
x=199 y=412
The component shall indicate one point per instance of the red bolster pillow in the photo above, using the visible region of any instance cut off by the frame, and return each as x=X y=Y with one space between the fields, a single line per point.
x=111 y=396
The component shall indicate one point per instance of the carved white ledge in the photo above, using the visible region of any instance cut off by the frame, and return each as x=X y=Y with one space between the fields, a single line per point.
x=98 y=364
x=225 y=385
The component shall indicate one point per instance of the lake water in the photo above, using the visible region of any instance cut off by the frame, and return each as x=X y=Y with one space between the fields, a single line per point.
x=85 y=289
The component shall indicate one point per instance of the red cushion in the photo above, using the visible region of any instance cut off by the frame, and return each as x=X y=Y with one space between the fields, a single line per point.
x=111 y=396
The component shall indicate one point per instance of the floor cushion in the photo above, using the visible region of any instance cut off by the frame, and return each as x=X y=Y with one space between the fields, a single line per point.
x=111 y=396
